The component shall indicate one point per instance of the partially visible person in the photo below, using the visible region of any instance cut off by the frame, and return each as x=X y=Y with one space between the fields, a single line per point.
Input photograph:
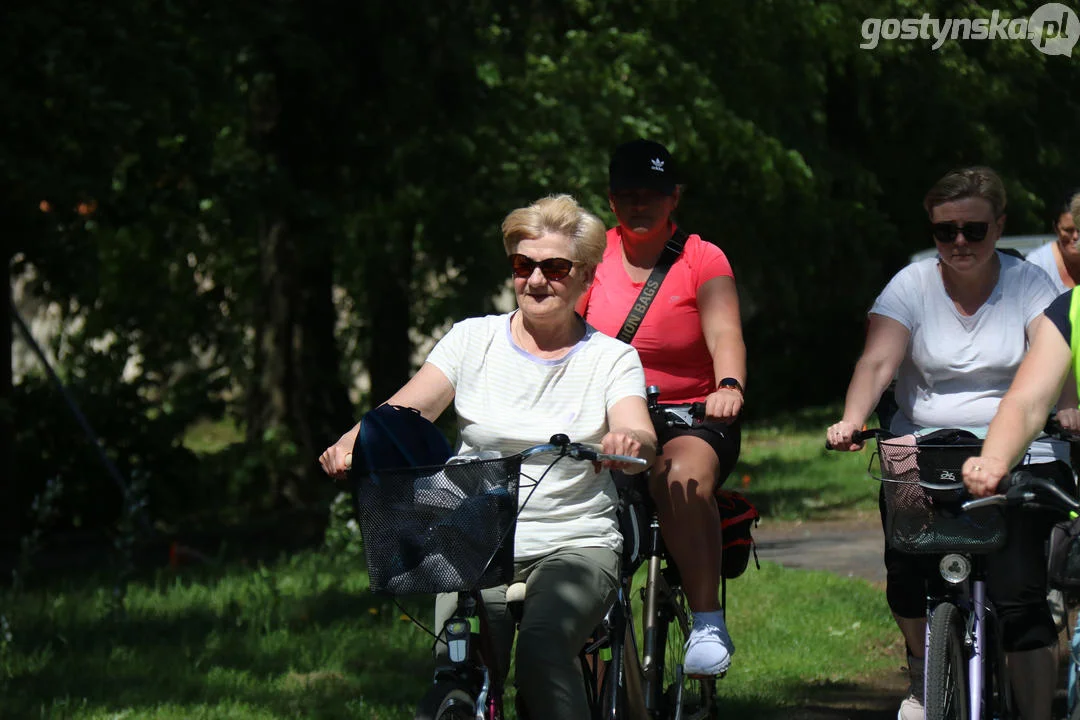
x=956 y=327
x=514 y=381
x=691 y=344
x=1061 y=258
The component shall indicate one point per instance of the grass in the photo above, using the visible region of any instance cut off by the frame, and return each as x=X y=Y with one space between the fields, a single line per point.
x=786 y=471
x=207 y=437
x=305 y=638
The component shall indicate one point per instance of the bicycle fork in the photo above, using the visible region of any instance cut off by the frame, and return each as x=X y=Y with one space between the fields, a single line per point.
x=976 y=662
x=975 y=641
x=654 y=645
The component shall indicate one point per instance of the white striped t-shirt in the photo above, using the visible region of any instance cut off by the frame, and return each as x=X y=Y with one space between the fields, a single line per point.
x=507 y=400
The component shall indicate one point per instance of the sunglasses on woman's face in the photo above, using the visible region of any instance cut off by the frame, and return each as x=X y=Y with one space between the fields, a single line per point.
x=947 y=232
x=552 y=268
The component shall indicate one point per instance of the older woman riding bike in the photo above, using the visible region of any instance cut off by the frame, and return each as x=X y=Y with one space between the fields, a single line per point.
x=515 y=380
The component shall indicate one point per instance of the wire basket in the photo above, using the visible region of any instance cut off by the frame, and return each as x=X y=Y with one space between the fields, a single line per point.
x=923 y=488
x=445 y=528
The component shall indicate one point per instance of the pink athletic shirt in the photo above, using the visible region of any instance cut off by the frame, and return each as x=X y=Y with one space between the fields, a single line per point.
x=669 y=340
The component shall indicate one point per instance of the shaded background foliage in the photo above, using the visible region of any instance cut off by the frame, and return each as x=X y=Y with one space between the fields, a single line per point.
x=191 y=182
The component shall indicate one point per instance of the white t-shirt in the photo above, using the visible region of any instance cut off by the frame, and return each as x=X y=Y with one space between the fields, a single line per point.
x=957 y=368
x=507 y=400
x=1043 y=256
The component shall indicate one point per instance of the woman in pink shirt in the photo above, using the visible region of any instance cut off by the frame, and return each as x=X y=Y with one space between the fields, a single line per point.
x=691 y=344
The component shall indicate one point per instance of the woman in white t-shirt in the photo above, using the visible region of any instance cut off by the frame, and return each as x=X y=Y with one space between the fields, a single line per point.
x=515 y=380
x=1061 y=257
x=953 y=329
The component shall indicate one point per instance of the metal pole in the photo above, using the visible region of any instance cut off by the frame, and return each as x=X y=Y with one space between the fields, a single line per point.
x=110 y=466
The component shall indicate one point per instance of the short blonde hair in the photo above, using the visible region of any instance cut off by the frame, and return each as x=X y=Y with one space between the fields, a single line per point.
x=560 y=215
x=1074 y=208
x=970 y=182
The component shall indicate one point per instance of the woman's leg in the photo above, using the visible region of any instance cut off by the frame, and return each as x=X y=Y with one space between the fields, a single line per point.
x=908 y=579
x=567 y=594
x=683 y=486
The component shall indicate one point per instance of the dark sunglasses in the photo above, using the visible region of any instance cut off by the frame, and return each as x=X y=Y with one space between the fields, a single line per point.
x=552 y=268
x=947 y=232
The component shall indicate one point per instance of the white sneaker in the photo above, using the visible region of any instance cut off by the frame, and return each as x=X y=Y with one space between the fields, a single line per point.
x=911 y=709
x=709 y=647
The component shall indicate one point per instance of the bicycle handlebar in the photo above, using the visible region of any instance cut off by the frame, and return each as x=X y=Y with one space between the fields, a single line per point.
x=561 y=445
x=861 y=436
x=670 y=414
x=1054 y=429
x=1021 y=487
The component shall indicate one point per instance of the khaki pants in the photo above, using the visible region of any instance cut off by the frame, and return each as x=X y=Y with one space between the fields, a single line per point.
x=568 y=593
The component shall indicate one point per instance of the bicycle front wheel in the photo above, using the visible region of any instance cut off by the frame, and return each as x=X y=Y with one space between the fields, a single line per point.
x=685 y=698
x=946 y=666
x=447 y=700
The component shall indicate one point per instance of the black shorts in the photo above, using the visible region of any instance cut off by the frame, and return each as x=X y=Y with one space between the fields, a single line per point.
x=724 y=439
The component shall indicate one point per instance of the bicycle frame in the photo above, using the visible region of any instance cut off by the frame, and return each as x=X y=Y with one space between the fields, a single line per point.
x=971 y=599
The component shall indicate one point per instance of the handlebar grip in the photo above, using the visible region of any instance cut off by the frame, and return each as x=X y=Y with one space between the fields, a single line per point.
x=697 y=411
x=1011 y=480
x=861 y=436
x=1054 y=429
x=629 y=459
x=856 y=437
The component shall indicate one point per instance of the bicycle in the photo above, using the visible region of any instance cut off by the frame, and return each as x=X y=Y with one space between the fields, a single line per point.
x=665 y=691
x=450 y=528
x=926 y=512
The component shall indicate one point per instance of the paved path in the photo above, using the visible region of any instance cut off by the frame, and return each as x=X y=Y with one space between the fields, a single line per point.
x=852 y=548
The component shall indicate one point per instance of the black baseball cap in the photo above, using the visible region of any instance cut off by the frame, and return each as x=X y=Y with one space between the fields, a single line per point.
x=642 y=165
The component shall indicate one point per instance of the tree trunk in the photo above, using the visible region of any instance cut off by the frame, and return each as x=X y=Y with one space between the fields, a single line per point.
x=297 y=397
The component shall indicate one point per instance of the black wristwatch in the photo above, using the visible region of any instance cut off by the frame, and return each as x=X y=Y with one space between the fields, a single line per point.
x=730 y=382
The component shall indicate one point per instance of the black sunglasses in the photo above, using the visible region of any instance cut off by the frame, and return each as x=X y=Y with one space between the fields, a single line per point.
x=947 y=232
x=552 y=268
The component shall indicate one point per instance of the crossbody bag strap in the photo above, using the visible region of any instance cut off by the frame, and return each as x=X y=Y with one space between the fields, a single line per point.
x=651 y=288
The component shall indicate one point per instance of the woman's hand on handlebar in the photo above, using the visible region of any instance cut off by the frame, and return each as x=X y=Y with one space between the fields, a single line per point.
x=983 y=474
x=1069 y=419
x=623 y=442
x=840 y=436
x=724 y=404
x=336 y=459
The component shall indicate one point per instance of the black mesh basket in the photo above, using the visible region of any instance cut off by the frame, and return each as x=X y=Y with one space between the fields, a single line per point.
x=440 y=529
x=923 y=488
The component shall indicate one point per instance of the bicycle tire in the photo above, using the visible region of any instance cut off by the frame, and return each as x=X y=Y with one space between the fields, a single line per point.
x=946 y=666
x=685 y=698
x=447 y=700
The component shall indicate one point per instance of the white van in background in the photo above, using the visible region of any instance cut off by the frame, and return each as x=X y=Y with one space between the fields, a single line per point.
x=1023 y=243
